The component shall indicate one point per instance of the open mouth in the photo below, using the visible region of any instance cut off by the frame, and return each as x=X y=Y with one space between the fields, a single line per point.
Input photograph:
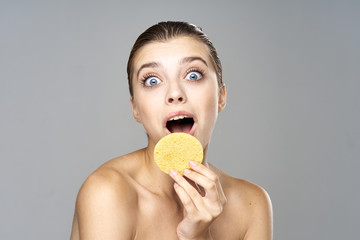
x=181 y=123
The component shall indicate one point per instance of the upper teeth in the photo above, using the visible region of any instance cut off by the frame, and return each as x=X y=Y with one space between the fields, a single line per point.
x=178 y=117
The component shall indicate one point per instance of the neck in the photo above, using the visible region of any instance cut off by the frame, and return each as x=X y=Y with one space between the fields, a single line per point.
x=157 y=180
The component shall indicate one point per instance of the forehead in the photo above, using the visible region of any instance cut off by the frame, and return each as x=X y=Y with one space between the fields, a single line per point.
x=174 y=49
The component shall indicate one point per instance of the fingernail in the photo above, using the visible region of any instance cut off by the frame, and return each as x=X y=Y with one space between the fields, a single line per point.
x=187 y=171
x=176 y=185
x=173 y=172
x=192 y=163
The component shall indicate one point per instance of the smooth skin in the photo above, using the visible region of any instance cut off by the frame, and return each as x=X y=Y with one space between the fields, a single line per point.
x=129 y=197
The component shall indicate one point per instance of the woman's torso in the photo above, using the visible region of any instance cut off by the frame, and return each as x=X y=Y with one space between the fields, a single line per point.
x=158 y=215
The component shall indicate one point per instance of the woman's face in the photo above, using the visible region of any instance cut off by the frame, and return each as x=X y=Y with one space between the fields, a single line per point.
x=176 y=89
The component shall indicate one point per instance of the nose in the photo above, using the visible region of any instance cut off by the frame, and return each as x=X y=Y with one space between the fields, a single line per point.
x=175 y=94
x=173 y=100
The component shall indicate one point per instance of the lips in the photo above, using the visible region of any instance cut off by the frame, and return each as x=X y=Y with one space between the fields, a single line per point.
x=180 y=121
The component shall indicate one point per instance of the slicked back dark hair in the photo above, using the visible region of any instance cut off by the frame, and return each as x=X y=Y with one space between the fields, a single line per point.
x=164 y=31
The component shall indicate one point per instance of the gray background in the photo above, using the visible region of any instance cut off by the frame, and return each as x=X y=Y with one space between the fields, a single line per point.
x=291 y=124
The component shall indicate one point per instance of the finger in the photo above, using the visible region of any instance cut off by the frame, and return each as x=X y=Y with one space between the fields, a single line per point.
x=195 y=185
x=210 y=187
x=185 y=199
x=214 y=197
x=203 y=170
x=198 y=167
x=190 y=190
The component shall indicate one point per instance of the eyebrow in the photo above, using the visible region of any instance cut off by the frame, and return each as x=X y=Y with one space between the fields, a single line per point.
x=147 y=65
x=182 y=61
x=191 y=59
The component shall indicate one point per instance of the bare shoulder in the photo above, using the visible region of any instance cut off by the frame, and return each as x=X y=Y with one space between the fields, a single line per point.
x=107 y=184
x=241 y=188
x=249 y=204
x=106 y=203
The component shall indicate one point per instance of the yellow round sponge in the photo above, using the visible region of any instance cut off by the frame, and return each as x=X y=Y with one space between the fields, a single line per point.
x=174 y=151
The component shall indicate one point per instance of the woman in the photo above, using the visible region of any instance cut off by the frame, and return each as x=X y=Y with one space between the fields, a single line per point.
x=173 y=71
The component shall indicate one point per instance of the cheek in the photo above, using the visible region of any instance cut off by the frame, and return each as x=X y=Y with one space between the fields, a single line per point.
x=145 y=110
x=207 y=103
x=148 y=107
x=208 y=97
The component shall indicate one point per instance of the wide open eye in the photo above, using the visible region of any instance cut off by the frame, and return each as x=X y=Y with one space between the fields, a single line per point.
x=152 y=81
x=193 y=76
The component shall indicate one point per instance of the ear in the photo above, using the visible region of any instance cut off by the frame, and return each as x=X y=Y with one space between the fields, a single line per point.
x=222 y=98
x=134 y=110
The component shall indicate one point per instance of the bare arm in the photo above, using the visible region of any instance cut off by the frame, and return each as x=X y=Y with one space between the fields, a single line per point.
x=105 y=208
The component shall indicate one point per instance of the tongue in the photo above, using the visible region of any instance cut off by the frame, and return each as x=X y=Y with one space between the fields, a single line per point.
x=182 y=128
x=176 y=127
